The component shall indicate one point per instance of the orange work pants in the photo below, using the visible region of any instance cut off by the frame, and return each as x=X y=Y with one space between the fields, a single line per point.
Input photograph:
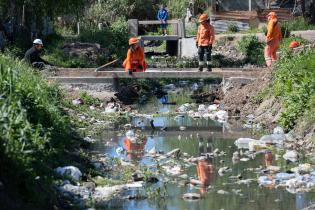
x=271 y=51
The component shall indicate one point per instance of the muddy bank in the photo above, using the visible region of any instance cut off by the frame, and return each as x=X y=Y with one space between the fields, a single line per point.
x=254 y=101
x=241 y=98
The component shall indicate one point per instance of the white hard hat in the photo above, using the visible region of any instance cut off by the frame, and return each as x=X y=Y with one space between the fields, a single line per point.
x=38 y=41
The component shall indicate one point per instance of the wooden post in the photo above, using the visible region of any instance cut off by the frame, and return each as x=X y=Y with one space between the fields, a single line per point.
x=23 y=15
x=133 y=27
x=249 y=5
x=78 y=28
x=181 y=28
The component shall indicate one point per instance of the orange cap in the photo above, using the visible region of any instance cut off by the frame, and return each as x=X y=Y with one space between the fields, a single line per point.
x=273 y=14
x=133 y=40
x=203 y=17
x=294 y=44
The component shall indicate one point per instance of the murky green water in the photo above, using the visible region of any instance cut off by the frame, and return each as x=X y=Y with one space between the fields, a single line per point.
x=201 y=136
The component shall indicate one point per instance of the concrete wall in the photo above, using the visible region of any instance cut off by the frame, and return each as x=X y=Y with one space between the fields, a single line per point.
x=188 y=48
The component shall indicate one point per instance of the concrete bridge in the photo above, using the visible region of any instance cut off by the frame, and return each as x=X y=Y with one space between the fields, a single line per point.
x=173 y=47
x=89 y=75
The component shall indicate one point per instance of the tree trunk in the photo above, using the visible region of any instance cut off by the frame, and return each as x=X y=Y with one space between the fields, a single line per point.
x=312 y=11
x=303 y=7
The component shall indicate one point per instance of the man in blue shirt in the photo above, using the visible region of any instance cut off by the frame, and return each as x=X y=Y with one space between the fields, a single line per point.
x=162 y=17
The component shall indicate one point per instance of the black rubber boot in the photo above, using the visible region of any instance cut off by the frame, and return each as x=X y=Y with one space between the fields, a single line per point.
x=200 y=68
x=130 y=72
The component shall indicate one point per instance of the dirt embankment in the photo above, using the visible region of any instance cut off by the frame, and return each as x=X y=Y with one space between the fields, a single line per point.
x=242 y=99
x=252 y=99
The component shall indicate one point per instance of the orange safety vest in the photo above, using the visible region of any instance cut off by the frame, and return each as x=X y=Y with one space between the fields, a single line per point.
x=273 y=30
x=134 y=60
x=205 y=35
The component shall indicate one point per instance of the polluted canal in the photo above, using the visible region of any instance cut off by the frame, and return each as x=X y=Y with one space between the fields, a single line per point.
x=178 y=154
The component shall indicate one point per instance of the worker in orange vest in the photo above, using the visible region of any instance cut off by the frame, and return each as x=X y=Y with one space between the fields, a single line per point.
x=273 y=38
x=135 y=57
x=204 y=41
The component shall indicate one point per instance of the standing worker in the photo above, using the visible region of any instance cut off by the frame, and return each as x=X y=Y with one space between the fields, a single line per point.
x=32 y=56
x=204 y=41
x=162 y=16
x=135 y=57
x=273 y=38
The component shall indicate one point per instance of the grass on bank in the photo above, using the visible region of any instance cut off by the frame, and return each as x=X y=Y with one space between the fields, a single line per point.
x=35 y=134
x=113 y=39
x=293 y=83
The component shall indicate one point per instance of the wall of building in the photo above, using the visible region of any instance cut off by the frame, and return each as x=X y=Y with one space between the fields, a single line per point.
x=227 y=5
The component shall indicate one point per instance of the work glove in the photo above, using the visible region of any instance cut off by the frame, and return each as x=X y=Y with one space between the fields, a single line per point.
x=130 y=72
x=197 y=44
x=140 y=67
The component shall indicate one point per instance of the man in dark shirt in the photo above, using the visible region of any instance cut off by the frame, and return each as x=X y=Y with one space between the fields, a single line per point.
x=32 y=56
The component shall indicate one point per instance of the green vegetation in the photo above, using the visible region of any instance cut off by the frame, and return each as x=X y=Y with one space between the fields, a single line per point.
x=55 y=54
x=34 y=133
x=297 y=24
x=252 y=48
x=177 y=8
x=294 y=84
x=113 y=39
x=232 y=28
x=285 y=43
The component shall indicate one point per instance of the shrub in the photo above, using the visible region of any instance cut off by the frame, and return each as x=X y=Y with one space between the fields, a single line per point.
x=233 y=28
x=34 y=132
x=252 y=49
x=285 y=43
x=294 y=83
x=298 y=23
x=113 y=38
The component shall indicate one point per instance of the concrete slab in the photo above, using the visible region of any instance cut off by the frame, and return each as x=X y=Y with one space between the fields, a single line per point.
x=90 y=76
x=160 y=38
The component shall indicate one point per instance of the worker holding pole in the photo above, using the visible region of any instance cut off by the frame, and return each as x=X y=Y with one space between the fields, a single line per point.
x=204 y=41
x=135 y=57
x=273 y=39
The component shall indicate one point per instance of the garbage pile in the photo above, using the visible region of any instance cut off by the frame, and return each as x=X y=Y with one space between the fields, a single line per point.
x=300 y=177
x=203 y=111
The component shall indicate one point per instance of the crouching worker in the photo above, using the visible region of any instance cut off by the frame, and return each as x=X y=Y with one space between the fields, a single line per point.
x=32 y=56
x=204 y=41
x=135 y=58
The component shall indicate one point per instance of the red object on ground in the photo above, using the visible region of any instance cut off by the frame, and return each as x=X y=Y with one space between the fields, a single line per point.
x=294 y=44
